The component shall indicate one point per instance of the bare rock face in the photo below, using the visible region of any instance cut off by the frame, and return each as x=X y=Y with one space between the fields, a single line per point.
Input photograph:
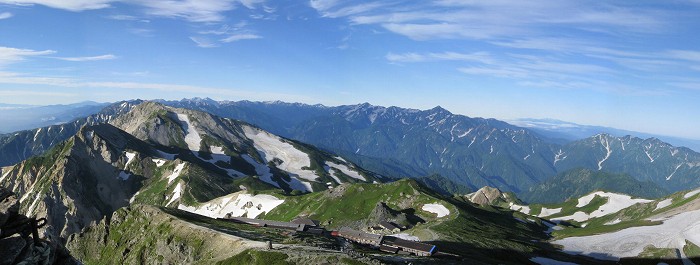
x=486 y=196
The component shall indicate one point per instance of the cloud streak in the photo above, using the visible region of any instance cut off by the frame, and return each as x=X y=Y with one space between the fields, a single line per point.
x=88 y=58
x=191 y=10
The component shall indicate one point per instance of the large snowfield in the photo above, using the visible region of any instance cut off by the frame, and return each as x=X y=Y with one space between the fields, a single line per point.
x=436 y=208
x=629 y=242
x=293 y=160
x=237 y=204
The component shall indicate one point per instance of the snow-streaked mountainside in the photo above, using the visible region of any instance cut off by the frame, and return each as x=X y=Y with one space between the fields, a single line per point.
x=564 y=132
x=148 y=155
x=471 y=151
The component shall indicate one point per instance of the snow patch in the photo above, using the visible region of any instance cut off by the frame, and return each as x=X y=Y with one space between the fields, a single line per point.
x=265 y=175
x=34 y=202
x=271 y=146
x=133 y=197
x=520 y=208
x=616 y=221
x=332 y=173
x=129 y=158
x=405 y=236
x=436 y=208
x=176 y=194
x=192 y=138
x=629 y=242
x=238 y=205
x=176 y=172
x=159 y=162
x=347 y=171
x=691 y=194
x=606 y=144
x=615 y=203
x=558 y=157
x=663 y=204
x=547 y=212
x=674 y=172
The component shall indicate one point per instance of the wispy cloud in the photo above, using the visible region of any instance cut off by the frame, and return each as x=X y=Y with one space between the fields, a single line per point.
x=5 y=15
x=10 y=55
x=70 y=5
x=204 y=42
x=482 y=57
x=238 y=37
x=191 y=10
x=88 y=58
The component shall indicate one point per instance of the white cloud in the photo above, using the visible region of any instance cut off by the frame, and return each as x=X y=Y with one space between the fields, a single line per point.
x=191 y=10
x=482 y=57
x=237 y=37
x=203 y=42
x=11 y=55
x=457 y=19
x=686 y=55
x=5 y=15
x=88 y=58
x=70 y=5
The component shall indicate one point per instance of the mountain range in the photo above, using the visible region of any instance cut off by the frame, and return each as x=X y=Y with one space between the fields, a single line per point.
x=564 y=132
x=397 y=142
x=149 y=182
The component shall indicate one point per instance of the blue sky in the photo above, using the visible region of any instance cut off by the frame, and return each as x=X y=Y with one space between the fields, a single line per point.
x=626 y=64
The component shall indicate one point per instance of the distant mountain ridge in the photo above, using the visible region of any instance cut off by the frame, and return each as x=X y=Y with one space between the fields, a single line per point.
x=564 y=132
x=22 y=117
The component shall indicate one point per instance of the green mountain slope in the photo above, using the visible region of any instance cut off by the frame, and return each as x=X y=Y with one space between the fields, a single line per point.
x=578 y=182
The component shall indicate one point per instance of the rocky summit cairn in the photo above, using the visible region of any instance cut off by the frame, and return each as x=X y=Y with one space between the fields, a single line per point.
x=19 y=239
x=486 y=196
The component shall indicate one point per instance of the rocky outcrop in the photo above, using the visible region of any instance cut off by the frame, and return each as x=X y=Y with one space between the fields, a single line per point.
x=19 y=240
x=487 y=196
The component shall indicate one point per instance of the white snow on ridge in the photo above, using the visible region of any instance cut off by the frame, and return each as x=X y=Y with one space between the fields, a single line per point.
x=176 y=172
x=629 y=242
x=192 y=137
x=436 y=208
x=238 y=205
x=615 y=203
x=547 y=212
x=663 y=204
x=606 y=144
x=271 y=146
x=347 y=171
